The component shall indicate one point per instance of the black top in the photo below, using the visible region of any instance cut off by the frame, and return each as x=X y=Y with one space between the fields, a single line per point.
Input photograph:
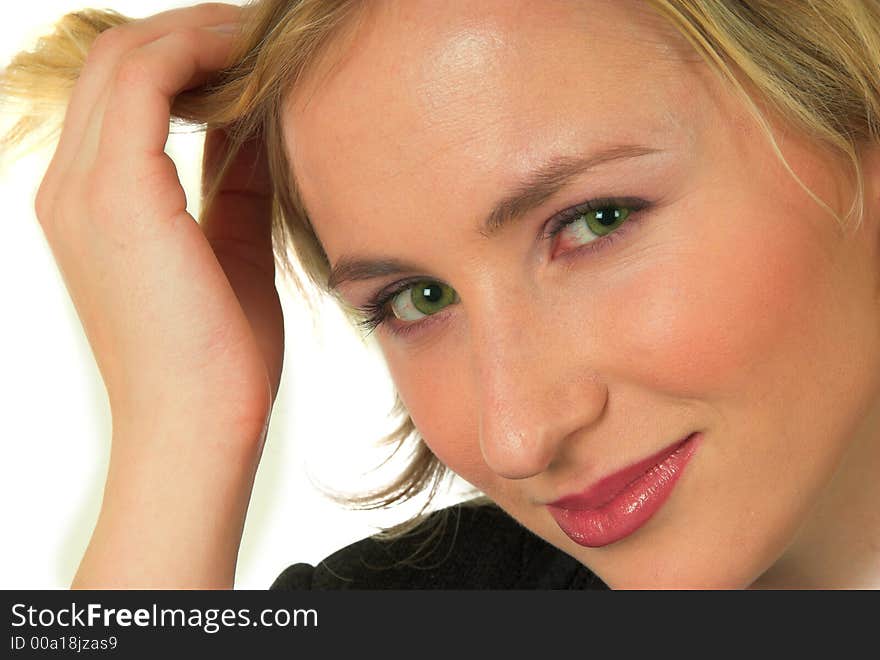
x=460 y=547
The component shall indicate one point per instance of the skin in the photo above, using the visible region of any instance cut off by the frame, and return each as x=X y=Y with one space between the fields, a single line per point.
x=736 y=306
x=183 y=317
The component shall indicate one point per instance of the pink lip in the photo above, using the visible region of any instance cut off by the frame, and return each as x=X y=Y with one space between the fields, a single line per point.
x=617 y=505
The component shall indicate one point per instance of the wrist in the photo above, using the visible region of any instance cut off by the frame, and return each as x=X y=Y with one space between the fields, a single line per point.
x=174 y=506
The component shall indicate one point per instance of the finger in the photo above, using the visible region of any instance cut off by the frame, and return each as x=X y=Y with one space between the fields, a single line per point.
x=126 y=137
x=138 y=112
x=240 y=216
x=105 y=54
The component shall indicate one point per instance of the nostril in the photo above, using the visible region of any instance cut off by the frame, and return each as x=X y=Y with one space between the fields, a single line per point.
x=527 y=425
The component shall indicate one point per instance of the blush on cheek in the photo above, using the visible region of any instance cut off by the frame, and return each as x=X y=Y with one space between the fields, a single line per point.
x=445 y=417
x=710 y=319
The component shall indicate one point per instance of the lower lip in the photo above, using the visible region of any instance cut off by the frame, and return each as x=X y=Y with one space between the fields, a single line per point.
x=629 y=509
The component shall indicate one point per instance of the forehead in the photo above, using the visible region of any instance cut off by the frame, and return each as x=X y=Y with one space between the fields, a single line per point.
x=426 y=94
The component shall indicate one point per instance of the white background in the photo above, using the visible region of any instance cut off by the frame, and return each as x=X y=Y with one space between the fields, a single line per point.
x=332 y=406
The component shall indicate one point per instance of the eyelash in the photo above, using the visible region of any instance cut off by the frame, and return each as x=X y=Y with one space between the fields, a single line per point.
x=377 y=312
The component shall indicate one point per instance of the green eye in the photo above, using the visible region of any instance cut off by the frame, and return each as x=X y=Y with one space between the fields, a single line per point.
x=590 y=224
x=605 y=220
x=422 y=299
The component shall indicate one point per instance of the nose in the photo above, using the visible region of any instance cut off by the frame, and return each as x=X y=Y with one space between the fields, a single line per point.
x=536 y=390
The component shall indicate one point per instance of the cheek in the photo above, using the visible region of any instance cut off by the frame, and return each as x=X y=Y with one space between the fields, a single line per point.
x=728 y=311
x=732 y=300
x=435 y=380
x=432 y=385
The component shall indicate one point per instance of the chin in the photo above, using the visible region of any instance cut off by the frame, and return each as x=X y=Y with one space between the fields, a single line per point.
x=680 y=578
x=678 y=566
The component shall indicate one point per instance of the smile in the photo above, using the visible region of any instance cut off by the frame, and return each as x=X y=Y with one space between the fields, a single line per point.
x=617 y=505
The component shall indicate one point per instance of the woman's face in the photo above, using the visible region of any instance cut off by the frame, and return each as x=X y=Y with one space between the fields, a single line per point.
x=724 y=301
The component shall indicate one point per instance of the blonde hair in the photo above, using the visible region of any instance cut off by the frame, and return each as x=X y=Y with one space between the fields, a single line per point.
x=814 y=62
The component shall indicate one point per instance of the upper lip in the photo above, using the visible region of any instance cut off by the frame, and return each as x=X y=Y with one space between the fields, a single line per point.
x=604 y=490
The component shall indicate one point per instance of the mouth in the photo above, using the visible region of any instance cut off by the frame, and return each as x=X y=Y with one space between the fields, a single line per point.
x=619 y=504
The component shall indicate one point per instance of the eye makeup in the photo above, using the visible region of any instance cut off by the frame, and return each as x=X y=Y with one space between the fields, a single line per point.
x=377 y=311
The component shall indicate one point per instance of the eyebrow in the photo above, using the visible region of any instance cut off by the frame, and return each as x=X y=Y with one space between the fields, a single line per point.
x=535 y=189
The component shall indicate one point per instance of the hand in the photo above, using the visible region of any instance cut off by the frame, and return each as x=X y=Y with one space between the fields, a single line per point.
x=180 y=318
